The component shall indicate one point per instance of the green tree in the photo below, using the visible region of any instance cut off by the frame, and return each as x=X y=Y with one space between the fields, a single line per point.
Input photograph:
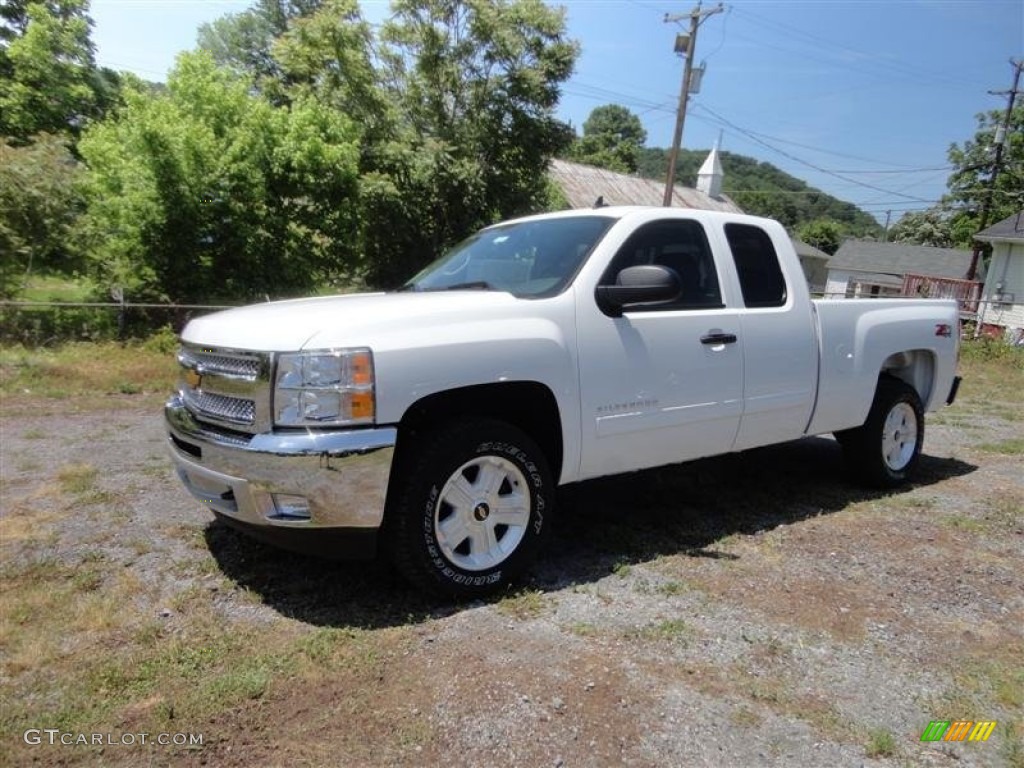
x=244 y=42
x=474 y=84
x=931 y=227
x=613 y=138
x=969 y=184
x=48 y=78
x=328 y=55
x=209 y=191
x=824 y=234
x=38 y=205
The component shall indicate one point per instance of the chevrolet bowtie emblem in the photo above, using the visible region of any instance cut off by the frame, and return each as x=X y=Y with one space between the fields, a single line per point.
x=193 y=378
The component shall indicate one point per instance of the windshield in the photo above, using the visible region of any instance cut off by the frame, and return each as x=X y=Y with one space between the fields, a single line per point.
x=526 y=258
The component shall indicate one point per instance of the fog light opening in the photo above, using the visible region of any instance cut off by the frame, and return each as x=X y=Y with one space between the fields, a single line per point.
x=288 y=507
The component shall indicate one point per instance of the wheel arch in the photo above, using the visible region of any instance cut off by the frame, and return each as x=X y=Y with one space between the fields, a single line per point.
x=528 y=405
x=915 y=367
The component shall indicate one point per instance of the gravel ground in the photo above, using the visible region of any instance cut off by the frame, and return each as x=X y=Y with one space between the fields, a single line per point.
x=744 y=611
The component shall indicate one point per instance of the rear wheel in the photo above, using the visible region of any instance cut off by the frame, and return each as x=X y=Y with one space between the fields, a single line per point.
x=471 y=510
x=885 y=450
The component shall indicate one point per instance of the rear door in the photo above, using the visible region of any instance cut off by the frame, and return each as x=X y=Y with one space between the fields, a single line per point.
x=780 y=354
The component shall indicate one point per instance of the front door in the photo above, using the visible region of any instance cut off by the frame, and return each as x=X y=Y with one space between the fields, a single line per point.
x=661 y=384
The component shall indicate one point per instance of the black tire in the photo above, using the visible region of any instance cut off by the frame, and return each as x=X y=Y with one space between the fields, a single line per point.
x=450 y=479
x=884 y=452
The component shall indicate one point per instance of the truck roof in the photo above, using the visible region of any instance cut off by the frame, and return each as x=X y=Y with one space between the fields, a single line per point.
x=623 y=211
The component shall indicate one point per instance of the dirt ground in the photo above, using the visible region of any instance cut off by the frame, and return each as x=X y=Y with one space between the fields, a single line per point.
x=750 y=610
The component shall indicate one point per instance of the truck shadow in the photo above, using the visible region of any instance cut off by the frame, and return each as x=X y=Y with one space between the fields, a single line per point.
x=601 y=524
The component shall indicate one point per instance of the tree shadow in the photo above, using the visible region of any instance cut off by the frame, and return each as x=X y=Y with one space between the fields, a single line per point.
x=681 y=509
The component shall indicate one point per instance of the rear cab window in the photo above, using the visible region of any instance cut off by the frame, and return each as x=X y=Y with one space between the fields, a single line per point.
x=757 y=264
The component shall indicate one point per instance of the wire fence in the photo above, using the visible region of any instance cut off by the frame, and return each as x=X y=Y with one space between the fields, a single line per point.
x=42 y=323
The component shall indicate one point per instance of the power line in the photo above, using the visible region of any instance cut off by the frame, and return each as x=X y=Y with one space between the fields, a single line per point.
x=888 y=66
x=599 y=93
x=796 y=159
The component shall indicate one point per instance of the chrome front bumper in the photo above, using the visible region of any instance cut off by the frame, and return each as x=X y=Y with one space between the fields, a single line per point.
x=343 y=475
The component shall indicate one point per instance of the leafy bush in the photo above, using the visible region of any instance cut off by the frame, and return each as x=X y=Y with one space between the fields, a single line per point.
x=42 y=325
x=986 y=349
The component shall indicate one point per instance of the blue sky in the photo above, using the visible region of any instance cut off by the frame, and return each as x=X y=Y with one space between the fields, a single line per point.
x=861 y=99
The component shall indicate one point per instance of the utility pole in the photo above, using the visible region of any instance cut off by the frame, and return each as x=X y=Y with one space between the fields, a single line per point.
x=697 y=17
x=997 y=163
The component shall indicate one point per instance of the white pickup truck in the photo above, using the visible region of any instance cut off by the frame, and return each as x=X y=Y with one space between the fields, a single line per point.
x=539 y=352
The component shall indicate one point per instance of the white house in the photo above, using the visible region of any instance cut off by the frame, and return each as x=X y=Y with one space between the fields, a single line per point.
x=815 y=263
x=1002 y=300
x=862 y=268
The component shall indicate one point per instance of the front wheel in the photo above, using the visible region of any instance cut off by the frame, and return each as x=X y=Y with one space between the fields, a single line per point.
x=885 y=450
x=472 y=507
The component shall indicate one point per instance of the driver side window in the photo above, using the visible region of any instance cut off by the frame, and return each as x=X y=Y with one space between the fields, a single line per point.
x=680 y=245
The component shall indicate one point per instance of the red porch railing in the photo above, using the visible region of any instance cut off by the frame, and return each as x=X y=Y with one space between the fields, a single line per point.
x=966 y=292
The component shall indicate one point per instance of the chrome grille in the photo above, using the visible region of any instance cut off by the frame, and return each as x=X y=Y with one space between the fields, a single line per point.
x=237 y=410
x=211 y=362
x=226 y=387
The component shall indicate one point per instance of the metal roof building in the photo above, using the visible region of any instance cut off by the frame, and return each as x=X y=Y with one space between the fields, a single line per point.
x=583 y=184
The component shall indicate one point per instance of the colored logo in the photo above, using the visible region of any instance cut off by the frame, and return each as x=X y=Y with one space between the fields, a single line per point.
x=958 y=730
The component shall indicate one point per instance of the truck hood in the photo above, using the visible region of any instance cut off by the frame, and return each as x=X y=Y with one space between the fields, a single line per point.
x=334 y=321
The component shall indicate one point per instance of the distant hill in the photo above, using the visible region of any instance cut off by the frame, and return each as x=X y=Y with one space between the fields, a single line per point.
x=763 y=190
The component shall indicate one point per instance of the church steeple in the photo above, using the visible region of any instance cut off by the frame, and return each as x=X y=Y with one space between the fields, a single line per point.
x=710 y=175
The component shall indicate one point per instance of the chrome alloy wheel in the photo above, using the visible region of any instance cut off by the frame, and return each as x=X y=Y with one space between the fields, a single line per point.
x=899 y=436
x=482 y=513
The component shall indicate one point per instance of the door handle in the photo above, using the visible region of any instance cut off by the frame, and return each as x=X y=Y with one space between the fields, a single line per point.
x=718 y=338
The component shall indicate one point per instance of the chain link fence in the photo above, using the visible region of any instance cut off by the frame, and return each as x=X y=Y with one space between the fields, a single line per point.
x=43 y=323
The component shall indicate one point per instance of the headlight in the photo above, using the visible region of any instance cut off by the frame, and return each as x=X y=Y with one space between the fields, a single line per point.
x=324 y=388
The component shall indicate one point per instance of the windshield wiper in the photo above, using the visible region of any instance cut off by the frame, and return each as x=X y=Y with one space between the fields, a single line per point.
x=407 y=287
x=479 y=285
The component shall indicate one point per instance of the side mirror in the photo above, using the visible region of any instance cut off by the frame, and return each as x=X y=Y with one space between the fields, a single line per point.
x=638 y=286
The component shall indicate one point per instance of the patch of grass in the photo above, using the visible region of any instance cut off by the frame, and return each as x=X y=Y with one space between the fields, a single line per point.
x=583 y=629
x=1013 y=745
x=56 y=288
x=991 y=374
x=1005 y=509
x=1007 y=413
x=84 y=370
x=1008 y=685
x=325 y=645
x=34 y=434
x=77 y=479
x=1003 y=514
x=777 y=693
x=962 y=523
x=773 y=648
x=238 y=685
x=671 y=588
x=745 y=717
x=622 y=569
x=881 y=743
x=528 y=604
x=669 y=630
x=1012 y=447
x=987 y=350
x=994 y=678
